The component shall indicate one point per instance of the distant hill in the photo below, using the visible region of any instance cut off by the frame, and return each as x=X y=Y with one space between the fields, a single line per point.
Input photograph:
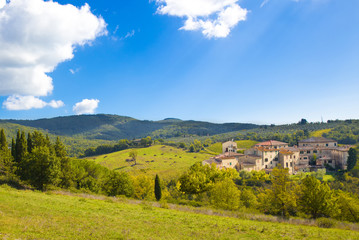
x=114 y=127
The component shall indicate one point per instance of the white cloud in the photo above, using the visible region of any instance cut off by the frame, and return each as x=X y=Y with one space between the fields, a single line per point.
x=15 y=103
x=2 y=3
x=37 y=35
x=56 y=104
x=86 y=106
x=215 y=18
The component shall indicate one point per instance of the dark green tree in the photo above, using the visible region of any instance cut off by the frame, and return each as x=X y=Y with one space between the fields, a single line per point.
x=3 y=142
x=13 y=148
x=20 y=147
x=29 y=143
x=60 y=149
x=43 y=168
x=352 y=158
x=158 y=192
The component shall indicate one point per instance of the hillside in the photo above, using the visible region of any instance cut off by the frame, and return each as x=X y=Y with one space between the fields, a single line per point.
x=168 y=162
x=114 y=127
x=35 y=215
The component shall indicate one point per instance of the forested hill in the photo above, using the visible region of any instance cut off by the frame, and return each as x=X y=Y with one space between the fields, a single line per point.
x=114 y=127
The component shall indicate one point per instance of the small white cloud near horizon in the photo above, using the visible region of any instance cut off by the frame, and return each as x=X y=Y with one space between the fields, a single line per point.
x=17 y=103
x=215 y=18
x=36 y=36
x=86 y=106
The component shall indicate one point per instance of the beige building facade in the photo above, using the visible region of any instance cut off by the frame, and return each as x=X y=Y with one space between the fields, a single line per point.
x=312 y=153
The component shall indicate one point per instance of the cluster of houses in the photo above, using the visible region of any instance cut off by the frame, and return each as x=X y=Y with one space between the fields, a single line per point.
x=310 y=154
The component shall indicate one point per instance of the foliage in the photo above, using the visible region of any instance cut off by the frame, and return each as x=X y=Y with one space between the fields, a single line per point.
x=315 y=199
x=225 y=195
x=118 y=184
x=280 y=199
x=143 y=187
x=158 y=192
x=352 y=158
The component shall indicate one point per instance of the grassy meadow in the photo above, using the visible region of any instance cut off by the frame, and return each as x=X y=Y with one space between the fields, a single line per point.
x=168 y=162
x=36 y=215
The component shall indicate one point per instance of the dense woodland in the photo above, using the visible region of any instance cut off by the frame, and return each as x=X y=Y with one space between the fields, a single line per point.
x=33 y=160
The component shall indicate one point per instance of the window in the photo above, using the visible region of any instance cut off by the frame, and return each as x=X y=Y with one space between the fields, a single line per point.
x=291 y=164
x=315 y=151
x=266 y=160
x=305 y=158
x=266 y=167
x=308 y=151
x=276 y=159
x=335 y=144
x=294 y=156
x=327 y=144
x=286 y=164
x=330 y=161
x=230 y=163
x=301 y=152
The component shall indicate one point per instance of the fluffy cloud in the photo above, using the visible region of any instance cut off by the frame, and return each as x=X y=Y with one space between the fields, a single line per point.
x=215 y=18
x=37 y=35
x=16 y=103
x=86 y=106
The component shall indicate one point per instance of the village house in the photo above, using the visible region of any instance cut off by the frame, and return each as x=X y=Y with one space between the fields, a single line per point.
x=310 y=154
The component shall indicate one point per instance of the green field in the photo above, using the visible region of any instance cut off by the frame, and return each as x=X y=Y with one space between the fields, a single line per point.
x=244 y=144
x=168 y=162
x=35 y=215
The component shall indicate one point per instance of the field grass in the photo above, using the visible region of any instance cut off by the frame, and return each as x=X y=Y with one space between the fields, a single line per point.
x=320 y=133
x=168 y=162
x=243 y=144
x=35 y=215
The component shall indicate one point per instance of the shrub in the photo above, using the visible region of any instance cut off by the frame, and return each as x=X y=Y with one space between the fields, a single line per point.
x=325 y=223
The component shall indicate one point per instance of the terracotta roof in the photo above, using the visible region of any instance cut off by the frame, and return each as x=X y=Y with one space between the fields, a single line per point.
x=271 y=143
x=316 y=140
x=263 y=149
x=286 y=152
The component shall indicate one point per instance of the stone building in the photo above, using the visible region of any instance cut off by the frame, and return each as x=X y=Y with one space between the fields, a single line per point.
x=310 y=154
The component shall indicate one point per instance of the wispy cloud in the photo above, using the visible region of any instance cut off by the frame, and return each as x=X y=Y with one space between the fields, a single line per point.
x=264 y=3
x=74 y=71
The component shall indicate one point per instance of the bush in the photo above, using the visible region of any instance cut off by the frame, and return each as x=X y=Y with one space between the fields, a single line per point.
x=325 y=223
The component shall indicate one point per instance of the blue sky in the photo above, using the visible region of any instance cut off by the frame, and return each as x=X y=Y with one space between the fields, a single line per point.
x=286 y=61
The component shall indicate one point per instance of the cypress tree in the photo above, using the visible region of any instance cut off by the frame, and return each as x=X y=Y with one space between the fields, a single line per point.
x=13 y=148
x=30 y=144
x=3 y=143
x=20 y=146
x=352 y=158
x=158 y=193
x=60 y=149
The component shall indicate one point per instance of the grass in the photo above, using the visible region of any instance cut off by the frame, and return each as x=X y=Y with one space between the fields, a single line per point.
x=243 y=144
x=320 y=133
x=168 y=162
x=35 y=215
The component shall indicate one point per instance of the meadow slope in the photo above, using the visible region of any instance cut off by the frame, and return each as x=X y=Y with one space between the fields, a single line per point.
x=168 y=162
x=35 y=215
